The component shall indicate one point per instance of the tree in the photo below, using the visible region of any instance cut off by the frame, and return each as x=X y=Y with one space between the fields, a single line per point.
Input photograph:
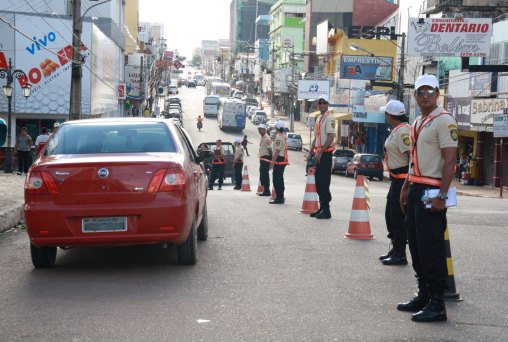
x=196 y=60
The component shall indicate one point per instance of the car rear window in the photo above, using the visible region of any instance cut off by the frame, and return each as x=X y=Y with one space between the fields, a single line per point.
x=111 y=138
x=228 y=147
x=370 y=159
x=294 y=136
x=343 y=153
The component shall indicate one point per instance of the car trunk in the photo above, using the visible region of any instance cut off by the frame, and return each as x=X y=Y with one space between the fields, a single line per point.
x=83 y=179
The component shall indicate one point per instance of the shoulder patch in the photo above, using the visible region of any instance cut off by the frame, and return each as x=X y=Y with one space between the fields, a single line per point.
x=277 y=142
x=406 y=139
x=454 y=133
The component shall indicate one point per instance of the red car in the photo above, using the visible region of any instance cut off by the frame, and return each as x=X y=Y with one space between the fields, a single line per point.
x=114 y=182
x=369 y=165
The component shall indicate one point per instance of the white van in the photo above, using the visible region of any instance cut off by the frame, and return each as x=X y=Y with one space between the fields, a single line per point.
x=210 y=105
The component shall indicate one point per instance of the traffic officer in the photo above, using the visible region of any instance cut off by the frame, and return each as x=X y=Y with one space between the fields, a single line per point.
x=238 y=163
x=218 y=164
x=279 y=162
x=265 y=157
x=322 y=150
x=434 y=138
x=397 y=149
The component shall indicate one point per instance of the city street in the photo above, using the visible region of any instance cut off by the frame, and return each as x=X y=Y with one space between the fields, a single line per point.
x=266 y=273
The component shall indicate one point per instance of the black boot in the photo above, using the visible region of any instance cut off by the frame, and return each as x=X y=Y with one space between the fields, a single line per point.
x=315 y=213
x=396 y=258
x=434 y=311
x=416 y=304
x=324 y=214
x=389 y=254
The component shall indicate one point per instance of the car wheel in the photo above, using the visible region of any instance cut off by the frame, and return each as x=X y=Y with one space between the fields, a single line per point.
x=43 y=257
x=187 y=252
x=300 y=149
x=381 y=178
x=203 y=227
x=355 y=174
x=370 y=177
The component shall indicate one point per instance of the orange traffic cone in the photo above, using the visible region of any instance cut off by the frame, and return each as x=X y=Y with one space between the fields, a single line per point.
x=310 y=199
x=359 y=225
x=260 y=189
x=245 y=180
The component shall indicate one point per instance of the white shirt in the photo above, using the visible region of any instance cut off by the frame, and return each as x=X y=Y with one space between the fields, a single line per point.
x=41 y=139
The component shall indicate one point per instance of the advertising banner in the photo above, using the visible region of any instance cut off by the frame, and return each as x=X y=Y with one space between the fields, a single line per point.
x=133 y=77
x=367 y=68
x=366 y=109
x=47 y=62
x=466 y=37
x=312 y=89
x=483 y=110
x=121 y=91
x=501 y=126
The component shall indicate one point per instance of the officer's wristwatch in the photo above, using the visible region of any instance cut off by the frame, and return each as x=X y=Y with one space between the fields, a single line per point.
x=442 y=196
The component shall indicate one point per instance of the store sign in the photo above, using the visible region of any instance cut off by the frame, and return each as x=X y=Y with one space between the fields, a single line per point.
x=311 y=89
x=372 y=32
x=483 y=110
x=367 y=68
x=501 y=126
x=466 y=37
x=360 y=114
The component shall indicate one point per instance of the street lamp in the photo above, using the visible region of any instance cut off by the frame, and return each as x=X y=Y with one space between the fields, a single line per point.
x=10 y=74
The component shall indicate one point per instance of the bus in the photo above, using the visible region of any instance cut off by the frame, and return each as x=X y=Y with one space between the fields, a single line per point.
x=211 y=105
x=209 y=81
x=231 y=114
x=220 y=89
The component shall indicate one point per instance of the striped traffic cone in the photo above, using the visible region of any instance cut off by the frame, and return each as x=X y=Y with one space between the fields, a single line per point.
x=359 y=225
x=260 y=189
x=245 y=180
x=310 y=199
x=450 y=295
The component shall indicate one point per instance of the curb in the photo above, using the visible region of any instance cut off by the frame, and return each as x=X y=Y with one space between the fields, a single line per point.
x=11 y=218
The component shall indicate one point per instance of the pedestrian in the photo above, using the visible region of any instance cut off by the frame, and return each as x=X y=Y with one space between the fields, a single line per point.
x=279 y=162
x=218 y=164
x=463 y=162
x=22 y=149
x=244 y=144
x=265 y=157
x=359 y=139
x=397 y=150
x=238 y=163
x=434 y=138
x=322 y=150
x=41 y=140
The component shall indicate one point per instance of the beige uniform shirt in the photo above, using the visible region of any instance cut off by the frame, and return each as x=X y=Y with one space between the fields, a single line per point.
x=326 y=124
x=279 y=143
x=439 y=133
x=396 y=145
x=265 y=145
x=239 y=152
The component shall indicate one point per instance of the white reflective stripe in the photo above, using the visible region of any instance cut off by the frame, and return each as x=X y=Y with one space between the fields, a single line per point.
x=311 y=179
x=359 y=215
x=359 y=192
x=310 y=196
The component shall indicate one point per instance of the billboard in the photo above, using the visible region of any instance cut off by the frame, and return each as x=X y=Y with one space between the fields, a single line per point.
x=311 y=89
x=466 y=37
x=483 y=110
x=322 y=38
x=367 y=68
x=133 y=77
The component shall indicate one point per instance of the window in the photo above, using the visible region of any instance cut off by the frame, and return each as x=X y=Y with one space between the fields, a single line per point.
x=370 y=158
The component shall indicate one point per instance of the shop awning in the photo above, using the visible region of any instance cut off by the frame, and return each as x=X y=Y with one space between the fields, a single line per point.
x=343 y=116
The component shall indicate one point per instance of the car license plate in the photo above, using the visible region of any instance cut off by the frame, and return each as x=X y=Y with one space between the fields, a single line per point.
x=104 y=224
x=371 y=166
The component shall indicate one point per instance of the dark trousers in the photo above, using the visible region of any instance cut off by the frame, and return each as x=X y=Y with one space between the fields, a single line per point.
x=217 y=173
x=278 y=180
x=238 y=175
x=246 y=150
x=426 y=241
x=394 y=217
x=23 y=161
x=323 y=179
x=264 y=173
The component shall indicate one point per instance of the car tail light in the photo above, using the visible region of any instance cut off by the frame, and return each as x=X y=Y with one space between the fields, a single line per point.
x=40 y=183
x=172 y=179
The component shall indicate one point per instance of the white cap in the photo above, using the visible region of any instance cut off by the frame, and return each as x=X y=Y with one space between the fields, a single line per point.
x=279 y=124
x=394 y=107
x=263 y=126
x=323 y=97
x=426 y=80
x=238 y=140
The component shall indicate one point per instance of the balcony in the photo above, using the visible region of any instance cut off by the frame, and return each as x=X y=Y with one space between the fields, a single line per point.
x=436 y=6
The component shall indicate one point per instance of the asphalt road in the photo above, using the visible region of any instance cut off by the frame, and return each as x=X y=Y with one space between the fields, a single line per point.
x=267 y=273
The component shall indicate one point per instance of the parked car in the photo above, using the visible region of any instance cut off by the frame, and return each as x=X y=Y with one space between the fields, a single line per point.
x=250 y=101
x=175 y=106
x=175 y=100
x=295 y=141
x=340 y=158
x=111 y=182
x=259 y=117
x=191 y=84
x=250 y=111
x=229 y=171
x=173 y=89
x=238 y=94
x=369 y=165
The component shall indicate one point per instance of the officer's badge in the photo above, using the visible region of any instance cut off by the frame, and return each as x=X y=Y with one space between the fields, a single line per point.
x=454 y=134
x=277 y=143
x=406 y=139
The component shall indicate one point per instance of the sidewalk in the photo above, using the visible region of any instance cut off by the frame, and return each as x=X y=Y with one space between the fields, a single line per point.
x=462 y=190
x=11 y=199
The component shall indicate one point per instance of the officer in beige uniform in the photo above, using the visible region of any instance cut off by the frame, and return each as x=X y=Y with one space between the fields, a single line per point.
x=265 y=158
x=238 y=163
x=279 y=162
x=434 y=138
x=397 y=149
x=322 y=150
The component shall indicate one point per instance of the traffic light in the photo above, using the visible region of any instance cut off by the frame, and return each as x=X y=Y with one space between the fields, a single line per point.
x=160 y=90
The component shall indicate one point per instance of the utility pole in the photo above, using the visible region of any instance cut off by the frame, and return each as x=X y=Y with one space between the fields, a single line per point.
x=400 y=89
x=75 y=97
x=272 y=114
x=293 y=95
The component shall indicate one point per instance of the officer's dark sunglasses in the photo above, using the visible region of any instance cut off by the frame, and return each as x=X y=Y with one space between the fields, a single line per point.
x=429 y=92
x=322 y=102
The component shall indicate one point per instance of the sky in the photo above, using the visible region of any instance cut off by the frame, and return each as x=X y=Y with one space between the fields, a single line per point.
x=188 y=22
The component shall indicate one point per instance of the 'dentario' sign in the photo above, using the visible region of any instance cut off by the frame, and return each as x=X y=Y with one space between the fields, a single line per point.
x=452 y=37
